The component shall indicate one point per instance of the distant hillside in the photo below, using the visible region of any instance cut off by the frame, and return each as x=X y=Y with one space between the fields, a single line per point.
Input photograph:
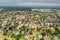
x=28 y=8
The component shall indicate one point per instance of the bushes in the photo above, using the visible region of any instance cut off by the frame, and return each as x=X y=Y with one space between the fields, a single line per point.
x=4 y=33
x=5 y=39
x=43 y=33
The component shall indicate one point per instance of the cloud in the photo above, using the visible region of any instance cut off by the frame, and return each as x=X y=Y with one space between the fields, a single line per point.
x=30 y=2
x=38 y=4
x=35 y=1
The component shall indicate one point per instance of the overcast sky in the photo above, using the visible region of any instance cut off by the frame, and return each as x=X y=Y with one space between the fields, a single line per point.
x=29 y=2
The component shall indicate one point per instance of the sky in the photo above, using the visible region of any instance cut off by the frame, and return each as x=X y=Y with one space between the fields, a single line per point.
x=29 y=2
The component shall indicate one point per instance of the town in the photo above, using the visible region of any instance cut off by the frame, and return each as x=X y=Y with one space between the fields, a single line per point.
x=30 y=25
